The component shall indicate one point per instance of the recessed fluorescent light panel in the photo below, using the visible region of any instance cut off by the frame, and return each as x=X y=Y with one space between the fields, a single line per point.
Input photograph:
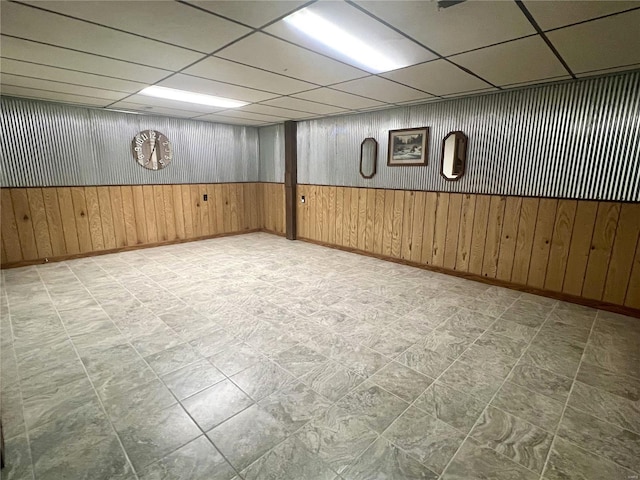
x=191 y=97
x=341 y=41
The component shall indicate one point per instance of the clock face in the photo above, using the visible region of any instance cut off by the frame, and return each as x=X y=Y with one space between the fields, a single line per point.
x=152 y=149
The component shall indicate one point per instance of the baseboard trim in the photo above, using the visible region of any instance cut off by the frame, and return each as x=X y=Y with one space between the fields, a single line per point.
x=62 y=258
x=491 y=281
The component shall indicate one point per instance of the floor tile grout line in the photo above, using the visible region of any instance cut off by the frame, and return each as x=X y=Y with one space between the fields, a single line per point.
x=15 y=355
x=566 y=403
x=498 y=391
x=95 y=391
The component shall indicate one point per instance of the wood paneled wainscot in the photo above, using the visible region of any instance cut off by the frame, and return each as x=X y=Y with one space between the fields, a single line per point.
x=585 y=249
x=58 y=222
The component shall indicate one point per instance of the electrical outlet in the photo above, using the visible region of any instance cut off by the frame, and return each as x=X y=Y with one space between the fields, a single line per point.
x=205 y=197
x=302 y=199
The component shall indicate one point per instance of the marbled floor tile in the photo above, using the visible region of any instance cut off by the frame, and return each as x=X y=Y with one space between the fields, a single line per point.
x=384 y=461
x=236 y=358
x=43 y=381
x=572 y=314
x=337 y=438
x=294 y=405
x=621 y=362
x=156 y=341
x=119 y=378
x=193 y=378
x=148 y=436
x=502 y=344
x=172 y=359
x=465 y=321
x=362 y=360
x=147 y=397
x=262 y=379
x=616 y=384
x=527 y=313
x=447 y=343
x=553 y=329
x=213 y=342
x=17 y=459
x=375 y=406
x=101 y=461
x=197 y=460
x=401 y=381
x=481 y=306
x=602 y=404
x=96 y=359
x=429 y=440
x=569 y=462
x=475 y=382
x=492 y=361
x=499 y=296
x=517 y=439
x=451 y=406
x=57 y=401
x=560 y=357
x=533 y=407
x=513 y=330
x=63 y=437
x=289 y=461
x=605 y=439
x=425 y=361
x=541 y=381
x=389 y=342
x=477 y=462
x=247 y=436
x=332 y=380
x=11 y=411
x=299 y=359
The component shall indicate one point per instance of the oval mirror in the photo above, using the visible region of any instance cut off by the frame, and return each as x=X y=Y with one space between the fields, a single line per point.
x=368 y=157
x=454 y=155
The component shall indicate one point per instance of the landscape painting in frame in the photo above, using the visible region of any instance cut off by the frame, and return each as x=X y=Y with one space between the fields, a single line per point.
x=408 y=147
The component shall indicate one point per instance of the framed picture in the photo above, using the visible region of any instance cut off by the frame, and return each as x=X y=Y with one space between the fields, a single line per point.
x=408 y=147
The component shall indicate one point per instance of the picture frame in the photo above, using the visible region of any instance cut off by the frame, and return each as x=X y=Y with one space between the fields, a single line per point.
x=408 y=147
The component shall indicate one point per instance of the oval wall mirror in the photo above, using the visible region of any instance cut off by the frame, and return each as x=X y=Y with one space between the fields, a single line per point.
x=454 y=155
x=368 y=157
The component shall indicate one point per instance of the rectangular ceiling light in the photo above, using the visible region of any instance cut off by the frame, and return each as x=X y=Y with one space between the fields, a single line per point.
x=191 y=97
x=341 y=41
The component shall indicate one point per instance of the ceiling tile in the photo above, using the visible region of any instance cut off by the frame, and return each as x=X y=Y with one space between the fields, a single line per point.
x=511 y=62
x=8 y=79
x=558 y=14
x=61 y=57
x=211 y=87
x=438 y=78
x=304 y=106
x=382 y=90
x=149 y=110
x=462 y=27
x=601 y=44
x=279 y=56
x=338 y=98
x=604 y=71
x=172 y=104
x=26 y=22
x=397 y=48
x=169 y=22
x=231 y=121
x=282 y=113
x=231 y=72
x=61 y=75
x=248 y=116
x=53 y=96
x=254 y=13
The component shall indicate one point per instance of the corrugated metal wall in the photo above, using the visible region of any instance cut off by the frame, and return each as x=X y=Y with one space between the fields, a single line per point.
x=49 y=144
x=572 y=140
x=272 y=153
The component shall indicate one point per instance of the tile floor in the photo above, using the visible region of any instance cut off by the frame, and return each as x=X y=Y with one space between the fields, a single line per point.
x=253 y=357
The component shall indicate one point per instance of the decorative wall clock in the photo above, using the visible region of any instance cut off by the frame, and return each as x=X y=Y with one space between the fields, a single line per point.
x=152 y=149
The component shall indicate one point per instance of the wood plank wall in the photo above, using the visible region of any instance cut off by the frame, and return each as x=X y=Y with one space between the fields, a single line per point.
x=273 y=207
x=38 y=223
x=587 y=249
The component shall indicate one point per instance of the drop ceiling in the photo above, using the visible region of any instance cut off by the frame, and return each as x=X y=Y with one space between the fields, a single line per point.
x=102 y=53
